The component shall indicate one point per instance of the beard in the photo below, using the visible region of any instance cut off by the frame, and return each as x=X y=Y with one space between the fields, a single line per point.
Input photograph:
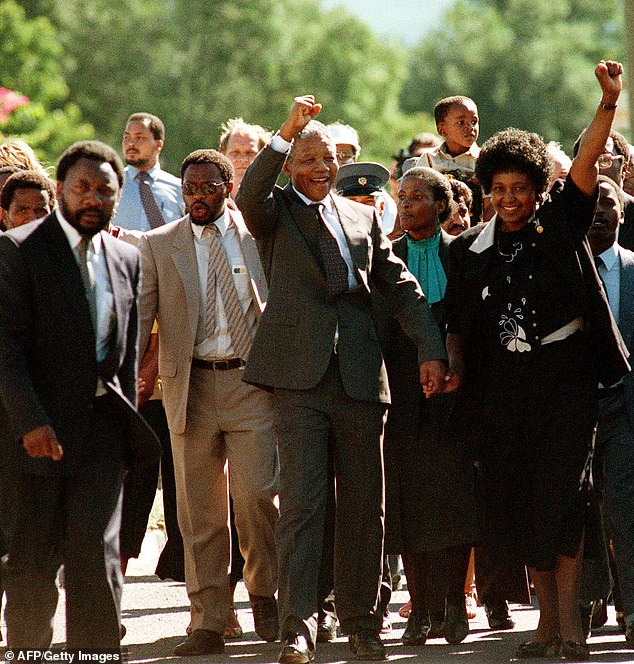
x=98 y=221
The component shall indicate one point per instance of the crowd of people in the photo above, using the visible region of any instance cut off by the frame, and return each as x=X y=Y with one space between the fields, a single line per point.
x=332 y=365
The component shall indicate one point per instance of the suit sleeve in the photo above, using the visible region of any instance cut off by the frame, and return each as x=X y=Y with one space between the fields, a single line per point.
x=128 y=373
x=17 y=392
x=255 y=197
x=148 y=298
x=406 y=300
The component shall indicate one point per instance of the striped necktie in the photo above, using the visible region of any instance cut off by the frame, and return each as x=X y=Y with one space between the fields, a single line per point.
x=219 y=279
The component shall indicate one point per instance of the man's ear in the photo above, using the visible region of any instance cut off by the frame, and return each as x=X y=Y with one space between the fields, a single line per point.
x=440 y=128
x=60 y=188
x=286 y=169
x=159 y=144
x=229 y=186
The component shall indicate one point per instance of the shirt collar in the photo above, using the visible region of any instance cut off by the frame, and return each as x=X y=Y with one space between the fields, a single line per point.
x=326 y=202
x=152 y=172
x=486 y=239
x=222 y=223
x=473 y=151
x=74 y=237
x=610 y=256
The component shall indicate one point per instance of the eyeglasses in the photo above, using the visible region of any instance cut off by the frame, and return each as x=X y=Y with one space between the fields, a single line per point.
x=191 y=188
x=606 y=160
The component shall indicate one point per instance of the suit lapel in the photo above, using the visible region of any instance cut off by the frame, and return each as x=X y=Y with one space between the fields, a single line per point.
x=259 y=288
x=184 y=256
x=65 y=272
x=356 y=237
x=626 y=302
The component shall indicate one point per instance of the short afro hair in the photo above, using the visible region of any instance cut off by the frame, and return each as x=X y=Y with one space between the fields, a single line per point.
x=515 y=150
x=26 y=180
x=438 y=185
x=460 y=190
x=209 y=157
x=94 y=150
x=442 y=108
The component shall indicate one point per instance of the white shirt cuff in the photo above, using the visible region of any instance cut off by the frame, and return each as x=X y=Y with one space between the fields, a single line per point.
x=280 y=145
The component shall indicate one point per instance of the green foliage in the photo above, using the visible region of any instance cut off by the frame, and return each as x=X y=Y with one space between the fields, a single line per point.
x=526 y=63
x=197 y=64
x=31 y=64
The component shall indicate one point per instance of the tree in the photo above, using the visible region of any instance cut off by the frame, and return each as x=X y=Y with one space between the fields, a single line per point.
x=31 y=64
x=196 y=65
x=526 y=63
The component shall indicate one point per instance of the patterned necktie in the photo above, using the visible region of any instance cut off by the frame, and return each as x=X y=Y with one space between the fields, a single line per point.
x=336 y=268
x=150 y=206
x=88 y=279
x=219 y=279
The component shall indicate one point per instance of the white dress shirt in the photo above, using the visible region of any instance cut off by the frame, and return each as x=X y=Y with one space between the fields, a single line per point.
x=218 y=345
x=328 y=213
x=106 y=316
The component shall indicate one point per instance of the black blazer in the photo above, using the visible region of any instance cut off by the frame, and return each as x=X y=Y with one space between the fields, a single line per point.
x=48 y=365
x=565 y=218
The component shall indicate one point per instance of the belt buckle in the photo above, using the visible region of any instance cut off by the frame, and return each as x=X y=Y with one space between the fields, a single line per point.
x=221 y=365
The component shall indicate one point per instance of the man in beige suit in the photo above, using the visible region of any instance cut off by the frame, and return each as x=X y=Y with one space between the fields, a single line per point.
x=203 y=279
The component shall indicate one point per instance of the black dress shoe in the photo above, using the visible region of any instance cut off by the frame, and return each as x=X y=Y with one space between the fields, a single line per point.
x=585 y=611
x=599 y=613
x=417 y=630
x=265 y=617
x=201 y=642
x=327 y=629
x=437 y=629
x=367 y=645
x=499 y=615
x=534 y=649
x=295 y=650
x=456 y=623
x=575 y=651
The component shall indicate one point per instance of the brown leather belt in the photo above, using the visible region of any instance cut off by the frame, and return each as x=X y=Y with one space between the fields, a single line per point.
x=218 y=365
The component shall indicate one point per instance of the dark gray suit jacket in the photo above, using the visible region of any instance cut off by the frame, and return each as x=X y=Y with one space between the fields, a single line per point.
x=626 y=321
x=294 y=341
x=48 y=365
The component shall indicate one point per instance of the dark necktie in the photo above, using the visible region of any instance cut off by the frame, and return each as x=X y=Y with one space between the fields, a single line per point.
x=150 y=206
x=335 y=266
x=88 y=279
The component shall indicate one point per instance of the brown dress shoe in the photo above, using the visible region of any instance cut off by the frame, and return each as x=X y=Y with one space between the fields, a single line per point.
x=265 y=618
x=295 y=650
x=201 y=642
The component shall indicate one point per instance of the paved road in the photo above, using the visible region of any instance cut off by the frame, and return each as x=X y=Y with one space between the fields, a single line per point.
x=156 y=615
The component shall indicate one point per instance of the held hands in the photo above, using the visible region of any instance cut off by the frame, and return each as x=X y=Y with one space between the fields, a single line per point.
x=303 y=111
x=42 y=442
x=437 y=379
x=608 y=74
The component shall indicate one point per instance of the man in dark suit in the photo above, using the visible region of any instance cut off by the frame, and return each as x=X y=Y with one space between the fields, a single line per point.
x=68 y=332
x=615 y=429
x=317 y=348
